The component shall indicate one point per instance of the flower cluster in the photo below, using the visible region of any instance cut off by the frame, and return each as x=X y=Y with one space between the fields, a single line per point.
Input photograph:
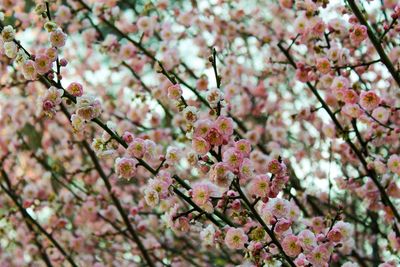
x=196 y=133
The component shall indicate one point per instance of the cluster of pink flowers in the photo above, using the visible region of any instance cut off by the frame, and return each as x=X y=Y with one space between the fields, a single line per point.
x=186 y=133
x=126 y=167
x=51 y=100
x=208 y=134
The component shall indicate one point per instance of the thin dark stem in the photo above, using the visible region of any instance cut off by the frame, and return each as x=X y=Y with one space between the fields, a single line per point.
x=388 y=29
x=263 y=224
x=118 y=205
x=385 y=198
x=375 y=41
x=26 y=215
x=214 y=64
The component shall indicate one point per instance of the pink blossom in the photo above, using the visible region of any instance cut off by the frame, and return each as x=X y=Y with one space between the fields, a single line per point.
x=259 y=186
x=334 y=235
x=75 y=89
x=63 y=14
x=274 y=166
x=282 y=225
x=190 y=114
x=201 y=194
x=128 y=137
x=235 y=238
x=200 y=145
x=127 y=51
x=88 y=107
x=323 y=65
x=213 y=97
x=307 y=240
x=232 y=157
x=214 y=137
x=350 y=97
x=202 y=84
x=202 y=128
x=381 y=114
x=175 y=92
x=151 y=197
x=278 y=207
x=394 y=241
x=394 y=164
x=243 y=146
x=220 y=174
x=319 y=256
x=145 y=24
x=52 y=53
x=42 y=64
x=29 y=70
x=136 y=148
x=369 y=100
x=224 y=125
x=246 y=169
x=286 y=3
x=172 y=155
x=358 y=34
x=290 y=245
x=126 y=167
x=352 y=110
x=58 y=38
x=340 y=83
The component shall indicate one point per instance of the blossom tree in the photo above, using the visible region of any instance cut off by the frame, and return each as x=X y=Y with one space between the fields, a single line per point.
x=199 y=133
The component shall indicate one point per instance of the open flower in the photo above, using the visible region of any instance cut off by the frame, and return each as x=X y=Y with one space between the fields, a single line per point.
x=8 y=33
x=358 y=34
x=43 y=64
x=29 y=70
x=319 y=256
x=259 y=186
x=235 y=238
x=394 y=164
x=75 y=89
x=291 y=245
x=200 y=145
x=88 y=107
x=369 y=100
x=137 y=148
x=174 y=92
x=126 y=167
x=58 y=38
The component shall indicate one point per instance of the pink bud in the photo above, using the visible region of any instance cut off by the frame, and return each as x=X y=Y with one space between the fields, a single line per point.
x=142 y=227
x=128 y=137
x=320 y=237
x=27 y=203
x=335 y=257
x=220 y=203
x=236 y=204
x=282 y=225
x=134 y=211
x=334 y=235
x=75 y=89
x=258 y=246
x=204 y=168
x=231 y=193
x=63 y=62
x=48 y=105
x=205 y=158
